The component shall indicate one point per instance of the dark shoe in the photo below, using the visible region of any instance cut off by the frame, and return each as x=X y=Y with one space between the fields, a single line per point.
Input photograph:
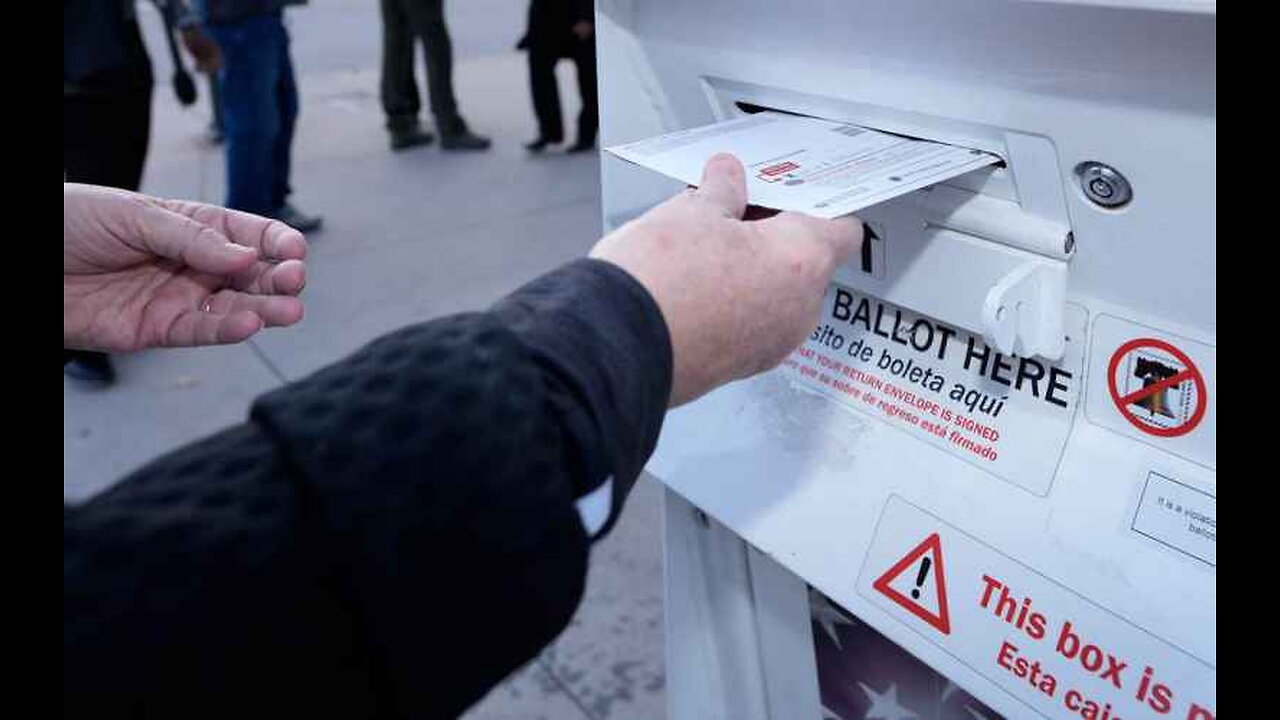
x=581 y=147
x=540 y=144
x=464 y=140
x=410 y=137
x=91 y=368
x=289 y=215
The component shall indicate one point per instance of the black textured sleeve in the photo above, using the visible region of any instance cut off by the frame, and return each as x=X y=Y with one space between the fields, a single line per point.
x=388 y=537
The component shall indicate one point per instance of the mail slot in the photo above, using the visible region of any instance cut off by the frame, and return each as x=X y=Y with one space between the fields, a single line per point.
x=986 y=484
x=1004 y=267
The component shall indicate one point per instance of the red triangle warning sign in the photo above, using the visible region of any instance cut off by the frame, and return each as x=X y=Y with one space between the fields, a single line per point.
x=918 y=584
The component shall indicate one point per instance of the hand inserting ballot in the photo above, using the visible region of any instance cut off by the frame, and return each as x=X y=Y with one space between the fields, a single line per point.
x=737 y=295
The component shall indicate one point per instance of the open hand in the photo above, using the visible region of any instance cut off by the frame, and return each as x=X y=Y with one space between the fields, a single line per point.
x=141 y=272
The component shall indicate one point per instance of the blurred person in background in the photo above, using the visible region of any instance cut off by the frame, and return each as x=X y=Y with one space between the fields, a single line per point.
x=403 y=22
x=561 y=29
x=259 y=101
x=106 y=108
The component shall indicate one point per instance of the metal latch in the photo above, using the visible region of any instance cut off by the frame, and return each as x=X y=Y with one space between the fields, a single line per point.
x=1023 y=311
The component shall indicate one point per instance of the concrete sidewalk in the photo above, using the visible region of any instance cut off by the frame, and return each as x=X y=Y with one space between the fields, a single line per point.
x=407 y=237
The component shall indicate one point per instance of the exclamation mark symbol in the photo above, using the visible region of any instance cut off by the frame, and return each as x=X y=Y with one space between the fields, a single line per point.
x=925 y=562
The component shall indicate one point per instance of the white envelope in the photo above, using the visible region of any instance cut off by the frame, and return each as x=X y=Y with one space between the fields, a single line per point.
x=805 y=164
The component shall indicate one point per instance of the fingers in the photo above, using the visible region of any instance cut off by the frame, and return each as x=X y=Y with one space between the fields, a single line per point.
x=175 y=236
x=271 y=238
x=230 y=317
x=286 y=278
x=841 y=236
x=227 y=243
x=273 y=310
x=195 y=327
x=724 y=185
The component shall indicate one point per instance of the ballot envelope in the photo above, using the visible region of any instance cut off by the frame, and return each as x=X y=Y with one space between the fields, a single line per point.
x=986 y=484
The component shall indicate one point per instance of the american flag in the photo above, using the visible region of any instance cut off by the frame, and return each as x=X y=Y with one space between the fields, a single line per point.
x=862 y=675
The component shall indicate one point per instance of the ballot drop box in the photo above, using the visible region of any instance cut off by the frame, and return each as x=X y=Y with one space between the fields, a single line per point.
x=986 y=484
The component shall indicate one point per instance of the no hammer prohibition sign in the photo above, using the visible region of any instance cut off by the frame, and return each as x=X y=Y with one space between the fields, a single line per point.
x=918 y=584
x=1157 y=388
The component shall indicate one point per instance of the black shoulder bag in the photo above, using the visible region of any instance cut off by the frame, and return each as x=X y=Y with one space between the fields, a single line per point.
x=183 y=86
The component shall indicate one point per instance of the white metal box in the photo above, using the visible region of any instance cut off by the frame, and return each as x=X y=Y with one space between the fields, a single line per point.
x=1077 y=479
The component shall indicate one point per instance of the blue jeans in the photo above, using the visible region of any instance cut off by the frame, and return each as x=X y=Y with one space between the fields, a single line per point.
x=259 y=107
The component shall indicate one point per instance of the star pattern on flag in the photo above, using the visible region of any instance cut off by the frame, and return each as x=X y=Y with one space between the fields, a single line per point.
x=827 y=615
x=863 y=675
x=885 y=705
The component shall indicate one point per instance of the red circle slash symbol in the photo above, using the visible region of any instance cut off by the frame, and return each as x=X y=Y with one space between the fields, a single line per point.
x=1147 y=407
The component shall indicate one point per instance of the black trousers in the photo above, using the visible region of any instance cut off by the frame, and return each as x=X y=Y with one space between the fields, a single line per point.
x=404 y=22
x=546 y=94
x=106 y=125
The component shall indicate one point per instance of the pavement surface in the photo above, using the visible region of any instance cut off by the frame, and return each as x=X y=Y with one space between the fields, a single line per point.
x=408 y=237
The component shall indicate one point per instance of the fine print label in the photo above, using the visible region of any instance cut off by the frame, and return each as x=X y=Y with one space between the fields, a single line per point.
x=1006 y=414
x=1179 y=517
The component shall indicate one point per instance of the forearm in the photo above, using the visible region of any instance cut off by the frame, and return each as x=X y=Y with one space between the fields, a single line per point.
x=389 y=508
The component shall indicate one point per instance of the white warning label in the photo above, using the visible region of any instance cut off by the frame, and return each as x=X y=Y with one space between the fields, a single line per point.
x=1007 y=414
x=1057 y=653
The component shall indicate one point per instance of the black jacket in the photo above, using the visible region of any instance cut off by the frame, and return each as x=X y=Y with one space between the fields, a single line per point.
x=550 y=26
x=102 y=47
x=389 y=537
